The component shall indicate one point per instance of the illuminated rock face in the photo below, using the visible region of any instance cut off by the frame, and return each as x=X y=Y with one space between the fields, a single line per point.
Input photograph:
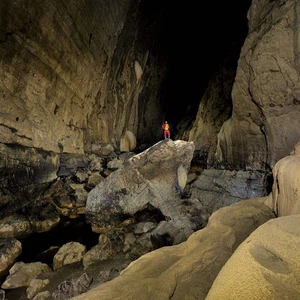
x=71 y=76
x=264 y=126
x=154 y=178
x=69 y=73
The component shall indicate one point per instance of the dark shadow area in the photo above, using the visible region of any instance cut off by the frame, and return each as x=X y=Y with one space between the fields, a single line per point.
x=68 y=230
x=149 y=214
x=194 y=39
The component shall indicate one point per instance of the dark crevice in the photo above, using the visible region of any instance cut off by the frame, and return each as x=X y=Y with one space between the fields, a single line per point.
x=149 y=214
x=68 y=230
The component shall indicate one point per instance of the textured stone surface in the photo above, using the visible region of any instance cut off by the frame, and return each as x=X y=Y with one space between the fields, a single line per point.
x=35 y=286
x=153 y=178
x=69 y=253
x=217 y=188
x=214 y=109
x=42 y=296
x=25 y=172
x=265 y=266
x=187 y=270
x=39 y=216
x=264 y=126
x=285 y=197
x=10 y=249
x=128 y=142
x=68 y=72
x=21 y=274
x=74 y=287
x=73 y=75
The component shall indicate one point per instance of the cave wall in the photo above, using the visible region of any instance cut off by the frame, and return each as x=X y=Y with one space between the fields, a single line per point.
x=72 y=72
x=265 y=123
x=214 y=109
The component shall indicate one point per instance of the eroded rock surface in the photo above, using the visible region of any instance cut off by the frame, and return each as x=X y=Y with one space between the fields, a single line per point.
x=265 y=266
x=284 y=199
x=187 y=270
x=215 y=188
x=154 y=178
x=264 y=125
x=69 y=253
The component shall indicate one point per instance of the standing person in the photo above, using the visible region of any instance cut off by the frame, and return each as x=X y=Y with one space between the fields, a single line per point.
x=166 y=128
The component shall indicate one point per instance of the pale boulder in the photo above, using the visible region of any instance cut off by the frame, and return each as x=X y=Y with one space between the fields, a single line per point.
x=265 y=266
x=69 y=253
x=127 y=142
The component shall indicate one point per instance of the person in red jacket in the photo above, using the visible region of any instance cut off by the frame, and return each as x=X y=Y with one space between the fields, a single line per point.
x=166 y=128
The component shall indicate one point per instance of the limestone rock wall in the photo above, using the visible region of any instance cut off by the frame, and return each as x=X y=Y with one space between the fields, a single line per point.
x=214 y=109
x=264 y=125
x=68 y=73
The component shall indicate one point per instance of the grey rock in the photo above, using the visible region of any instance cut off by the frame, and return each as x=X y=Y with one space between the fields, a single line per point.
x=154 y=177
x=216 y=188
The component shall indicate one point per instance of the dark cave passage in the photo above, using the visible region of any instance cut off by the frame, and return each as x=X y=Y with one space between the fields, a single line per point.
x=194 y=40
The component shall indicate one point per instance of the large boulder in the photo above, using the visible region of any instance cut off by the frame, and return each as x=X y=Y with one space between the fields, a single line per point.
x=265 y=266
x=154 y=178
x=187 y=270
x=38 y=216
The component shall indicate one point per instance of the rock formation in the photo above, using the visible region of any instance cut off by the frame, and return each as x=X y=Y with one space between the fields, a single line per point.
x=264 y=125
x=10 y=249
x=189 y=269
x=154 y=178
x=81 y=82
x=284 y=199
x=68 y=72
x=215 y=188
x=265 y=266
x=71 y=77
x=21 y=274
x=68 y=254
x=214 y=109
